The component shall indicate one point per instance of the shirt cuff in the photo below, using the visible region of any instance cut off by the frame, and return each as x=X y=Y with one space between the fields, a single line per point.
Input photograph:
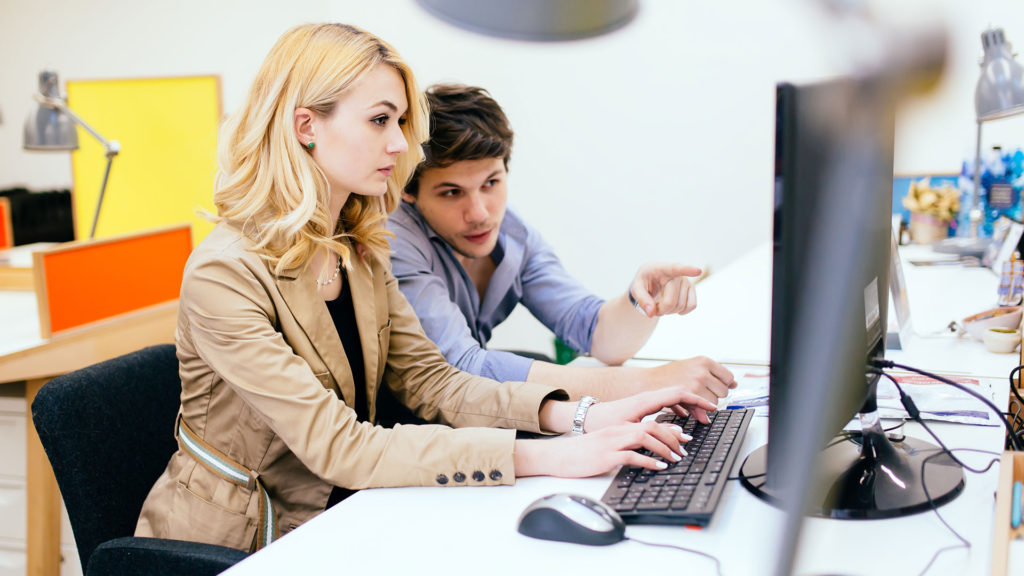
x=580 y=335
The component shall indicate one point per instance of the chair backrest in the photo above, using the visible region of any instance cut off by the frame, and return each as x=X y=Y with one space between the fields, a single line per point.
x=108 y=432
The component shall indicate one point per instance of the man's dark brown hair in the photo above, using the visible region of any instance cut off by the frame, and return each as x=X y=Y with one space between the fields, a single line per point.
x=465 y=124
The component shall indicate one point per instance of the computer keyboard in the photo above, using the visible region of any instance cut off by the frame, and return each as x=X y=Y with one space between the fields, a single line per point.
x=688 y=491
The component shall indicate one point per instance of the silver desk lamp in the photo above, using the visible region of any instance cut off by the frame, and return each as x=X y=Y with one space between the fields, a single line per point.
x=999 y=94
x=536 y=20
x=51 y=127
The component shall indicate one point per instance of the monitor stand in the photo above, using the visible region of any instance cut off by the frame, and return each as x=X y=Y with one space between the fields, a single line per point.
x=865 y=475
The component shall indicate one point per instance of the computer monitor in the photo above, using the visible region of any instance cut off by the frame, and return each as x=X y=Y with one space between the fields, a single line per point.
x=833 y=186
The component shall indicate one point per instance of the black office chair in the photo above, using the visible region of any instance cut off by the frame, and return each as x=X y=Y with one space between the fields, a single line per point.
x=108 y=432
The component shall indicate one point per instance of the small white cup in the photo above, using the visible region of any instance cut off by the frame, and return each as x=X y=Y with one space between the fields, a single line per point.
x=1001 y=340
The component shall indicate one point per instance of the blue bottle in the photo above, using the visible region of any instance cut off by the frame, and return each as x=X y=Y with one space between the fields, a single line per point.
x=1001 y=197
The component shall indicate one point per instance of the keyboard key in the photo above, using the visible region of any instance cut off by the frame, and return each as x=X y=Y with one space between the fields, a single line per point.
x=635 y=492
x=617 y=491
x=680 y=504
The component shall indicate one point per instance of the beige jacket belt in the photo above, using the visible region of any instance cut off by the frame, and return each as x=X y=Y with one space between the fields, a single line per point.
x=265 y=379
x=216 y=462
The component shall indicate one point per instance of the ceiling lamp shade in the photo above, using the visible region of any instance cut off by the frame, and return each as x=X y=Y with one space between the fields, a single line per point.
x=48 y=127
x=1000 y=91
x=544 y=20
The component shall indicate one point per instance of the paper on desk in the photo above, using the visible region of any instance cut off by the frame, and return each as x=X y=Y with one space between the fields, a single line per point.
x=938 y=401
x=935 y=401
x=751 y=392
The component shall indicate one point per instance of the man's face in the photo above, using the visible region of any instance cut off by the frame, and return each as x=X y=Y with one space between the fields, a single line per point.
x=465 y=204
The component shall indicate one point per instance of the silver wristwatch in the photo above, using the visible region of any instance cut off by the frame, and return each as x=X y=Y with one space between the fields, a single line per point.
x=581 y=413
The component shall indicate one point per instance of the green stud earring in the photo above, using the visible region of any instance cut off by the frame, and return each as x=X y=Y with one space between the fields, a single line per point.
x=310 y=145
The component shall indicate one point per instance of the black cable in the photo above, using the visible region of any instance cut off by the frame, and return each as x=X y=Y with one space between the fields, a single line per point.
x=924 y=484
x=1014 y=441
x=914 y=413
x=718 y=565
x=851 y=434
x=1014 y=388
x=965 y=543
x=1018 y=422
x=1020 y=399
x=911 y=408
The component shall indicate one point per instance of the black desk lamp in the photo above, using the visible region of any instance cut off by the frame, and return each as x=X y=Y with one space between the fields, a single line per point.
x=51 y=127
x=999 y=94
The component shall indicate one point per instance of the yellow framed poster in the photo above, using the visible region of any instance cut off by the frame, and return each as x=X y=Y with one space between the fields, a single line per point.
x=167 y=129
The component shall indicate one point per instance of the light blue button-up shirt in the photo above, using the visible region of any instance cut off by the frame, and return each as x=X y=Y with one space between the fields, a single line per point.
x=449 y=307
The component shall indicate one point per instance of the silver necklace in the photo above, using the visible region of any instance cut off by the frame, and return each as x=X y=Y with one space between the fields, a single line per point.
x=337 y=271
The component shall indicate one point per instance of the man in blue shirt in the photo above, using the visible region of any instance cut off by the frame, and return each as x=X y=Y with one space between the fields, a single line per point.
x=464 y=261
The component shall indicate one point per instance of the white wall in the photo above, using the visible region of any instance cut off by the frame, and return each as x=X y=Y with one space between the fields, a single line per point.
x=654 y=142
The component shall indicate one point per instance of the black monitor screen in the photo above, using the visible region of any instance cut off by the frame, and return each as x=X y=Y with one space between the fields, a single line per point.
x=833 y=198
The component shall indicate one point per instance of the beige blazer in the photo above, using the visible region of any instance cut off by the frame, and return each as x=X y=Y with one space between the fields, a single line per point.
x=265 y=378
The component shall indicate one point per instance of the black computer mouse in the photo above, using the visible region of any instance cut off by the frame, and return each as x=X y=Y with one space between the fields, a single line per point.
x=572 y=518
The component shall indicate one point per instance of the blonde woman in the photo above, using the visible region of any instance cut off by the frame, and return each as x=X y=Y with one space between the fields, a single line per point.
x=290 y=323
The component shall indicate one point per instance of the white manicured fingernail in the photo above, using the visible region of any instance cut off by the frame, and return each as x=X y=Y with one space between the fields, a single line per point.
x=685 y=453
x=686 y=437
x=661 y=464
x=676 y=457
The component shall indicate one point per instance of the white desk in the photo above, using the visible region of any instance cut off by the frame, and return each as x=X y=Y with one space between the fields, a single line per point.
x=463 y=530
x=734 y=304
x=466 y=530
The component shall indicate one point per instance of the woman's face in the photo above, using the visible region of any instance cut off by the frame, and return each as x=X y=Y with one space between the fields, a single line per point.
x=358 y=144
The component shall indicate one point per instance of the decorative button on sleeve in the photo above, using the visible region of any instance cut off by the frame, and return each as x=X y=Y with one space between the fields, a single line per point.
x=495 y=475
x=459 y=477
x=442 y=479
x=478 y=476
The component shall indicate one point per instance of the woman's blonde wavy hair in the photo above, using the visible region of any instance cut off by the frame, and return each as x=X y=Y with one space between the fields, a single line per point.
x=267 y=182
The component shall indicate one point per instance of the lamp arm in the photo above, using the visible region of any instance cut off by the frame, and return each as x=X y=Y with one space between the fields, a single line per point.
x=111 y=146
x=975 y=213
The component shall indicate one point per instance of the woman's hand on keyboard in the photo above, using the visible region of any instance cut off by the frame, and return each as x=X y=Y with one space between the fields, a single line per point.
x=633 y=408
x=700 y=375
x=598 y=452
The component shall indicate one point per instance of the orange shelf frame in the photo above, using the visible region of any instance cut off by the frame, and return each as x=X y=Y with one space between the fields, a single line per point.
x=78 y=283
x=6 y=228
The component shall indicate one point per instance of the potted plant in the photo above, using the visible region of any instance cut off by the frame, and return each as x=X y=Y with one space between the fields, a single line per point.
x=931 y=210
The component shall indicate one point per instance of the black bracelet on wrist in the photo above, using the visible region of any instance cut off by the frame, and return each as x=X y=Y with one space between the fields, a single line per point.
x=634 y=302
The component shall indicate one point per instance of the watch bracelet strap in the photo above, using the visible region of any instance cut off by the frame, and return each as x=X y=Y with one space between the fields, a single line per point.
x=580 y=415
